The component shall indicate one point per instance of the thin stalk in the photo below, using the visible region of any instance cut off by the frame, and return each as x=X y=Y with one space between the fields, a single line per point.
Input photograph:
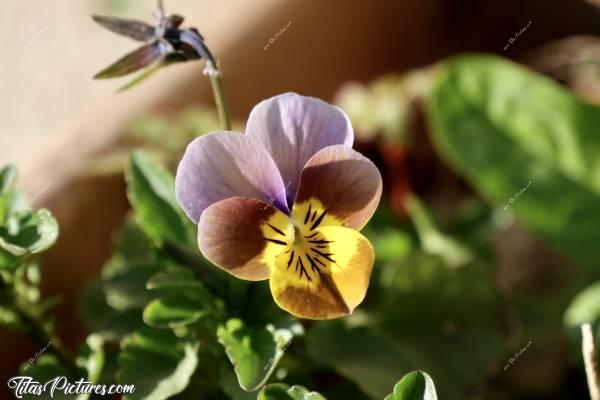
x=590 y=358
x=222 y=108
x=214 y=74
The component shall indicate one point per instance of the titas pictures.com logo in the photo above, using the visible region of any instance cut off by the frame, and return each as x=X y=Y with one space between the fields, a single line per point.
x=26 y=385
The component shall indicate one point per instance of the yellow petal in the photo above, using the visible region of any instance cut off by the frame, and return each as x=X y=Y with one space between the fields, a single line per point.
x=312 y=214
x=324 y=274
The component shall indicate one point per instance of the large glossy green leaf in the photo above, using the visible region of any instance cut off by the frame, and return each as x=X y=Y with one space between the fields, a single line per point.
x=441 y=313
x=526 y=144
x=433 y=295
x=157 y=362
x=416 y=385
x=255 y=352
x=151 y=191
x=280 y=391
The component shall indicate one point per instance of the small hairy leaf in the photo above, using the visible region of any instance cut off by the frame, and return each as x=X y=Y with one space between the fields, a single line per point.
x=157 y=362
x=280 y=391
x=151 y=191
x=415 y=385
x=255 y=352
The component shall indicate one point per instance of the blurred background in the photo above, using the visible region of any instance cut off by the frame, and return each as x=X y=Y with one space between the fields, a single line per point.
x=69 y=137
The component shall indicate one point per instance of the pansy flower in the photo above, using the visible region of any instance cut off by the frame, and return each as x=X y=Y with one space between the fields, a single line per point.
x=285 y=202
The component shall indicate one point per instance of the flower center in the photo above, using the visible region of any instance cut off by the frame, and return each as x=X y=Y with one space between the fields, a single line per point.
x=297 y=235
x=303 y=250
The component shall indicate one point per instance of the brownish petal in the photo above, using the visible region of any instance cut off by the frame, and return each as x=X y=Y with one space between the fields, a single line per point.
x=244 y=236
x=343 y=183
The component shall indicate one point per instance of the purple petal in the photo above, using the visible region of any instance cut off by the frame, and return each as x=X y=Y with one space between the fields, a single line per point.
x=221 y=165
x=293 y=128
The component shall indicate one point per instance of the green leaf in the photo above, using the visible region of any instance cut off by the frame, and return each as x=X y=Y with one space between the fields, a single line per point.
x=584 y=308
x=26 y=233
x=443 y=315
x=151 y=191
x=8 y=175
x=92 y=305
x=279 y=391
x=433 y=294
x=44 y=369
x=10 y=318
x=175 y=278
x=119 y=324
x=416 y=385
x=157 y=362
x=7 y=183
x=454 y=253
x=131 y=244
x=255 y=352
x=91 y=358
x=230 y=386
x=100 y=318
x=125 y=288
x=183 y=299
x=526 y=144
x=174 y=310
x=374 y=359
x=371 y=360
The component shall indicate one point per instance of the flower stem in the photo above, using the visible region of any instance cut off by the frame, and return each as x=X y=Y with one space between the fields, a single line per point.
x=214 y=74
x=590 y=358
x=222 y=108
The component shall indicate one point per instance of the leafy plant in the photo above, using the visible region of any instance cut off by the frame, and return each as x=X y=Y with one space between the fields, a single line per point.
x=162 y=318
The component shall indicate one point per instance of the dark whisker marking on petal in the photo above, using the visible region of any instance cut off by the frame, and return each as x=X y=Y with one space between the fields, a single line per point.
x=320 y=262
x=321 y=246
x=313 y=265
x=313 y=216
x=326 y=256
x=320 y=241
x=290 y=260
x=276 y=241
x=276 y=229
x=307 y=214
x=303 y=269
x=312 y=236
x=318 y=221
